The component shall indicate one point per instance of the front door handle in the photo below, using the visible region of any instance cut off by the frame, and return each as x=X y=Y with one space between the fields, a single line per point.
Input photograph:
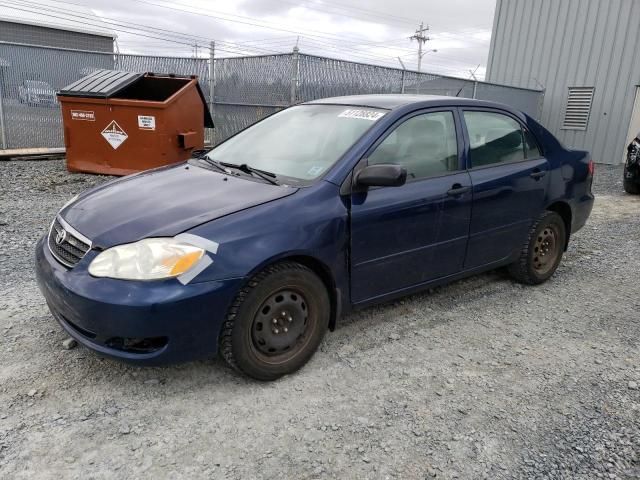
x=537 y=174
x=457 y=189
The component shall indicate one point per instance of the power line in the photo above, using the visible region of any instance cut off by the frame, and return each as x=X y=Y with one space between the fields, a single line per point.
x=188 y=40
x=376 y=17
x=152 y=32
x=354 y=42
x=127 y=27
x=407 y=20
x=231 y=47
x=244 y=20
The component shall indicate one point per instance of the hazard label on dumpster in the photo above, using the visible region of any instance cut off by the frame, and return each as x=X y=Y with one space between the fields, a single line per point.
x=114 y=134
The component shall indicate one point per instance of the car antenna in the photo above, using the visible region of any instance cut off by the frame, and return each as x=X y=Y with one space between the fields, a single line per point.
x=473 y=74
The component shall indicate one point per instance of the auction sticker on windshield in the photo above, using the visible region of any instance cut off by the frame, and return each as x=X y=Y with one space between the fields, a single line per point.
x=361 y=114
x=114 y=134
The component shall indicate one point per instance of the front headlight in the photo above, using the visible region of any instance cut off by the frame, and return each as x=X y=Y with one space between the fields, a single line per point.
x=148 y=259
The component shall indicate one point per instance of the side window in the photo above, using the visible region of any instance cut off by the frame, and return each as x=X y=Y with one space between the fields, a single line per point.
x=425 y=145
x=494 y=138
x=530 y=145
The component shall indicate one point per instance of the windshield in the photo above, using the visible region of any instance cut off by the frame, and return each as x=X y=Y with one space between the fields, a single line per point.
x=300 y=142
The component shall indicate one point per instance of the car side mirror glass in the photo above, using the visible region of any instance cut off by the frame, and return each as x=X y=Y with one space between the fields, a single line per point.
x=381 y=175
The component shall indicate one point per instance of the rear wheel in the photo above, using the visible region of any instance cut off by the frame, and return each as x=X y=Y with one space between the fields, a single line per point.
x=631 y=185
x=276 y=322
x=542 y=252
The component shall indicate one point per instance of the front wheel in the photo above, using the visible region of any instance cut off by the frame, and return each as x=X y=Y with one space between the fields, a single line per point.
x=542 y=252
x=276 y=322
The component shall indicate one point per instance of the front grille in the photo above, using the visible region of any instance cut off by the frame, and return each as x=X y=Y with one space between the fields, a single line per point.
x=66 y=247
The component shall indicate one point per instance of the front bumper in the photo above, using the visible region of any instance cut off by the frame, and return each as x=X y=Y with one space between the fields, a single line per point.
x=632 y=167
x=156 y=322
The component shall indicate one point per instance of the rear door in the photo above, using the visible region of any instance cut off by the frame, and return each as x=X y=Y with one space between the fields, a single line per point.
x=404 y=236
x=510 y=176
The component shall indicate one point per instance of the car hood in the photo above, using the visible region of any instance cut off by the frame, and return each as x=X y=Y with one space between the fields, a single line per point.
x=163 y=202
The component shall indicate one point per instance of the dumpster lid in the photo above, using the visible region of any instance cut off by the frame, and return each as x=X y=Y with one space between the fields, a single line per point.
x=100 y=84
x=108 y=83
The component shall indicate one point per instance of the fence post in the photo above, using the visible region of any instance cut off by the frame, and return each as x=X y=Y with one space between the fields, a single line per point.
x=475 y=88
x=402 y=84
x=212 y=86
x=541 y=103
x=295 y=68
x=3 y=132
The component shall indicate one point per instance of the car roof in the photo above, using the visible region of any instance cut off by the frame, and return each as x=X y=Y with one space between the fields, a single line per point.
x=393 y=101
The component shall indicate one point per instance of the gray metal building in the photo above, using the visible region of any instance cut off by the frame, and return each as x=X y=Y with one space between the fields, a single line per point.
x=28 y=26
x=585 y=54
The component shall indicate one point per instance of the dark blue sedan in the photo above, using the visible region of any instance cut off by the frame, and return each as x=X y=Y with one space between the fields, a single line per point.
x=255 y=249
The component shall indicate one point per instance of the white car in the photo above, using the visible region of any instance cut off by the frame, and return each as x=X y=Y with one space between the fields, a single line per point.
x=36 y=92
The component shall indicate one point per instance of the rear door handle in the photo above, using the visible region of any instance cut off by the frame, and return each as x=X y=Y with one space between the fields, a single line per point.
x=457 y=189
x=537 y=174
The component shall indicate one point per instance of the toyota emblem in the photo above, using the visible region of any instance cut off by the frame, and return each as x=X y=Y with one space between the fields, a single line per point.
x=61 y=236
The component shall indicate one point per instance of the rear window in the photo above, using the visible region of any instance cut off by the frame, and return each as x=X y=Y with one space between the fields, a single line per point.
x=494 y=138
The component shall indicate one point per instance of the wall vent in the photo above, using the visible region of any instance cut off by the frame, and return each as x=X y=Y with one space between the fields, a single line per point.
x=576 y=114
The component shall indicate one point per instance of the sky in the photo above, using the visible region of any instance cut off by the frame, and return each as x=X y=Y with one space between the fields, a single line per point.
x=376 y=31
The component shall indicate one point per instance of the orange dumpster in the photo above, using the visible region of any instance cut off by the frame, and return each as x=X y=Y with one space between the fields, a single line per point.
x=119 y=123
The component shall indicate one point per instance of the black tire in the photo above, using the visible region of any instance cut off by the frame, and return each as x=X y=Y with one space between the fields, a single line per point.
x=630 y=186
x=276 y=322
x=542 y=251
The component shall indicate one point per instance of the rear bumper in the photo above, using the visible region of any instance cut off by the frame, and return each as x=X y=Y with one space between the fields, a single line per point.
x=148 y=323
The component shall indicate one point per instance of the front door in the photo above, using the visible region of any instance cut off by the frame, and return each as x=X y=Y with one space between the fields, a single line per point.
x=408 y=235
x=510 y=178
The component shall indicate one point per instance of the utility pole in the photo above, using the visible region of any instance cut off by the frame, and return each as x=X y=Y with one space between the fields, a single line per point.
x=212 y=86
x=421 y=37
x=3 y=131
x=116 y=57
x=295 y=77
x=404 y=69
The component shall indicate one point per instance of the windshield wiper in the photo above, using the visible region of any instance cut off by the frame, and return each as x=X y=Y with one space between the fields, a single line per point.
x=213 y=163
x=265 y=175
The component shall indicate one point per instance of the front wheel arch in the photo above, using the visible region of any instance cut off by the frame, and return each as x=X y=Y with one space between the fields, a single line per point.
x=318 y=267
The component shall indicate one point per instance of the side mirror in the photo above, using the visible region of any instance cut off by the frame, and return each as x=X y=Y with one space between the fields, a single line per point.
x=381 y=175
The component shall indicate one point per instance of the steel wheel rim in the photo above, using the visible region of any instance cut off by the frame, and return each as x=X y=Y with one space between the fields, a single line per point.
x=281 y=326
x=546 y=249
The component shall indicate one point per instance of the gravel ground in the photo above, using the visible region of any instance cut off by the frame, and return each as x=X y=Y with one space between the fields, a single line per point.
x=480 y=379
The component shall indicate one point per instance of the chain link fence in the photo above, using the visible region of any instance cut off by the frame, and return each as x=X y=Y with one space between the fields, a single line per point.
x=30 y=77
x=245 y=89
x=249 y=88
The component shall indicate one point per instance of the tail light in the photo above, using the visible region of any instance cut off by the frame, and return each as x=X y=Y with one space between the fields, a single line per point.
x=591 y=168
